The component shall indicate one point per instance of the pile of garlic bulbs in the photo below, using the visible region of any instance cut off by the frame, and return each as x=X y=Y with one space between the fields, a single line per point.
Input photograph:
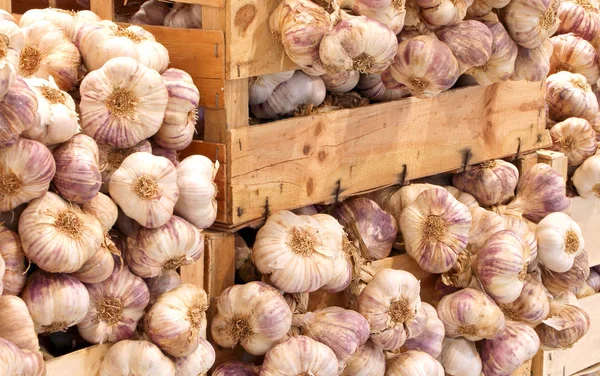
x=97 y=225
x=509 y=261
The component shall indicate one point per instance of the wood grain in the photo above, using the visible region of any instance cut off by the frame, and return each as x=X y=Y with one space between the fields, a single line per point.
x=582 y=355
x=194 y=273
x=84 y=362
x=105 y=9
x=586 y=212
x=219 y=262
x=295 y=162
x=208 y=3
x=6 y=5
x=557 y=160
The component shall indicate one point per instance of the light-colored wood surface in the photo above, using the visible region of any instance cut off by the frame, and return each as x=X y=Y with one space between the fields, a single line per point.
x=219 y=262
x=557 y=160
x=194 y=273
x=582 y=355
x=208 y=3
x=525 y=162
x=295 y=162
x=105 y=9
x=84 y=362
x=524 y=370
x=586 y=212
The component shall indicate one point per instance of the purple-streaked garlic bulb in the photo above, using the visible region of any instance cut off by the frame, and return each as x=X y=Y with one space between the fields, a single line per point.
x=571 y=280
x=580 y=18
x=368 y=360
x=233 y=368
x=531 y=22
x=391 y=13
x=198 y=362
x=112 y=158
x=470 y=42
x=504 y=354
x=569 y=95
x=491 y=183
x=533 y=64
x=104 y=209
x=485 y=224
x=575 y=55
x=575 y=138
x=531 y=307
x=98 y=267
x=12 y=254
x=430 y=341
x=566 y=325
x=501 y=65
x=18 y=107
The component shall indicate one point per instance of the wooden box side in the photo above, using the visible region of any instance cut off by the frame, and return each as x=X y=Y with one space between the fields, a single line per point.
x=84 y=362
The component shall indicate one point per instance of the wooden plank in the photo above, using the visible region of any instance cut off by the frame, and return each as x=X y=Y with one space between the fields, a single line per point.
x=105 y=9
x=524 y=370
x=219 y=262
x=557 y=160
x=194 y=273
x=582 y=355
x=525 y=162
x=213 y=152
x=6 y=5
x=299 y=161
x=211 y=92
x=252 y=50
x=208 y=3
x=586 y=212
x=84 y=362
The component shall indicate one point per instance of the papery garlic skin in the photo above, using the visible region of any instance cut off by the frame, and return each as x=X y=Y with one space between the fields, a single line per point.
x=12 y=254
x=135 y=358
x=531 y=307
x=530 y=22
x=186 y=16
x=580 y=18
x=255 y=315
x=162 y=283
x=371 y=86
x=152 y=251
x=391 y=304
x=298 y=355
x=430 y=341
x=485 y=224
x=471 y=314
x=26 y=170
x=17 y=325
x=261 y=88
x=198 y=362
x=575 y=55
x=459 y=357
x=34 y=363
x=152 y=12
x=575 y=138
x=559 y=241
x=569 y=95
x=12 y=122
x=571 y=280
x=501 y=65
x=145 y=188
x=388 y=12
x=533 y=64
x=233 y=368
x=414 y=363
x=443 y=12
x=111 y=159
x=122 y=103
x=341 y=82
x=57 y=235
x=55 y=301
x=491 y=183
x=469 y=41
x=587 y=178
x=425 y=65
x=517 y=344
x=11 y=358
x=103 y=209
x=98 y=267
x=566 y=325
x=197 y=201
x=593 y=280
x=15 y=41
x=435 y=229
x=368 y=360
x=301 y=25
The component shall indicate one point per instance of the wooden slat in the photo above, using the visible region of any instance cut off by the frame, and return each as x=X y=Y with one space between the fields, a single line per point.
x=211 y=92
x=251 y=48
x=84 y=362
x=300 y=161
x=105 y=9
x=525 y=162
x=208 y=3
x=582 y=355
x=557 y=160
x=219 y=262
x=524 y=370
x=6 y=5
x=586 y=212
x=194 y=273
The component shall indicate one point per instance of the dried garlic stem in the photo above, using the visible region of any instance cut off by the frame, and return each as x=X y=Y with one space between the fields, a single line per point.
x=54 y=96
x=10 y=184
x=121 y=103
x=301 y=242
x=434 y=228
x=175 y=263
x=123 y=32
x=146 y=187
x=571 y=242
x=548 y=18
x=55 y=327
x=596 y=189
x=400 y=311
x=240 y=329
x=110 y=310
x=470 y=330
x=69 y=224
x=29 y=60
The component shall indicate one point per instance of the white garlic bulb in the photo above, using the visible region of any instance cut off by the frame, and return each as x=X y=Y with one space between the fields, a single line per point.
x=341 y=82
x=135 y=358
x=531 y=22
x=300 y=355
x=58 y=236
x=177 y=319
x=501 y=65
x=460 y=357
x=18 y=110
x=150 y=252
x=575 y=55
x=145 y=188
x=198 y=362
x=435 y=228
x=569 y=95
x=111 y=159
x=15 y=40
x=13 y=256
x=559 y=241
x=55 y=301
x=575 y=138
x=104 y=209
x=392 y=305
x=122 y=103
x=186 y=16
x=261 y=88
x=255 y=315
x=517 y=344
x=587 y=177
x=414 y=363
x=197 y=201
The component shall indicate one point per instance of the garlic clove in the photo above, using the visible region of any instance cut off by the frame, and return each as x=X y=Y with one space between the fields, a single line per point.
x=501 y=65
x=17 y=325
x=162 y=283
x=103 y=209
x=571 y=280
x=491 y=183
x=469 y=41
x=533 y=64
x=503 y=355
x=13 y=256
x=261 y=88
x=98 y=267
x=575 y=55
x=233 y=368
x=485 y=224
x=368 y=360
x=460 y=357
x=531 y=307
x=414 y=363
x=300 y=355
x=559 y=242
x=430 y=341
x=586 y=178
x=19 y=111
x=575 y=138
x=566 y=325
x=569 y=95
x=531 y=22
x=135 y=358
x=186 y=16
x=198 y=362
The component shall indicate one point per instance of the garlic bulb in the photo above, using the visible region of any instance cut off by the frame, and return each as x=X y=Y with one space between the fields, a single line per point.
x=26 y=170
x=127 y=226
x=233 y=368
x=391 y=304
x=580 y=18
x=301 y=25
x=575 y=138
x=55 y=301
x=171 y=155
x=586 y=178
x=393 y=200
x=15 y=40
x=297 y=252
x=571 y=280
x=460 y=357
x=16 y=325
x=122 y=103
x=179 y=123
x=559 y=241
x=98 y=267
x=533 y=64
x=11 y=358
x=485 y=224
x=435 y=229
x=471 y=314
x=491 y=183
x=368 y=360
x=463 y=197
x=529 y=23
x=33 y=363
x=112 y=158
x=63 y=19
x=186 y=16
x=430 y=341
x=478 y=10
x=300 y=355
x=101 y=42
x=135 y=358
x=12 y=254
x=58 y=236
x=469 y=41
x=57 y=119
x=151 y=252
x=389 y=12
x=575 y=55
x=501 y=65
x=371 y=86
x=7 y=16
x=517 y=344
x=414 y=363
x=365 y=222
x=198 y=362
x=152 y=12
x=358 y=43
x=162 y=283
x=48 y=52
x=569 y=95
x=541 y=191
x=341 y=82
x=18 y=111
x=197 y=201
x=593 y=281
x=414 y=66
x=77 y=175
x=531 y=307
x=261 y=88
x=255 y=315
x=566 y=325
x=103 y=209
x=290 y=96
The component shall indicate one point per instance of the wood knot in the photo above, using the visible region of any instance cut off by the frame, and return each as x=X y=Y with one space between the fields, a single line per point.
x=306 y=149
x=244 y=17
x=322 y=155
